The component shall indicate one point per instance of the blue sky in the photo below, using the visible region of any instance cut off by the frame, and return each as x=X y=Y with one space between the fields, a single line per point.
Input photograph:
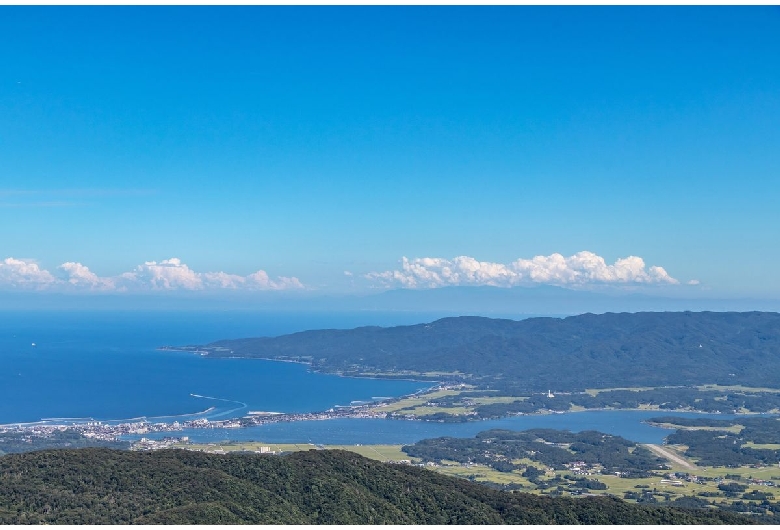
x=157 y=148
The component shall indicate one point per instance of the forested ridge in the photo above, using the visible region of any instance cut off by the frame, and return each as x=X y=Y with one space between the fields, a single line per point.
x=497 y=448
x=573 y=353
x=720 y=446
x=94 y=486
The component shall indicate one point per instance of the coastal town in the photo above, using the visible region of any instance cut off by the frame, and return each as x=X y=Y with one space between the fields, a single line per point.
x=114 y=431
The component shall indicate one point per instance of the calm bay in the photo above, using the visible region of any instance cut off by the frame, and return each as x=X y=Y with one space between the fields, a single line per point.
x=105 y=366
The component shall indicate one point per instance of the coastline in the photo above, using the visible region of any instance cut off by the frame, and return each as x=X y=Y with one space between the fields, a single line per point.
x=74 y=422
x=115 y=429
x=378 y=376
x=362 y=409
x=374 y=409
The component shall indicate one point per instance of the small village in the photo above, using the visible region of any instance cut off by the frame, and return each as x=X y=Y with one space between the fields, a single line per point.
x=113 y=431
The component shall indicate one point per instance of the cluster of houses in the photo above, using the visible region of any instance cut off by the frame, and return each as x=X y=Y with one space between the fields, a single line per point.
x=583 y=468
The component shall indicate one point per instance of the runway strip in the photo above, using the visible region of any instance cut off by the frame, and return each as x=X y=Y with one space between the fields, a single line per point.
x=665 y=453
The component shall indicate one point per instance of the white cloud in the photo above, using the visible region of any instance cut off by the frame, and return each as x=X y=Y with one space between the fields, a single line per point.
x=260 y=280
x=693 y=282
x=166 y=275
x=580 y=269
x=173 y=274
x=223 y=280
x=25 y=273
x=80 y=276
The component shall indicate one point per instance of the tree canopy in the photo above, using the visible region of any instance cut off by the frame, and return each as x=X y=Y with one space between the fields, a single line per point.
x=97 y=486
x=573 y=353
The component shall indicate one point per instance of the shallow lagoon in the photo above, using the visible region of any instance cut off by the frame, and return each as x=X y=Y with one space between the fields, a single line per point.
x=625 y=423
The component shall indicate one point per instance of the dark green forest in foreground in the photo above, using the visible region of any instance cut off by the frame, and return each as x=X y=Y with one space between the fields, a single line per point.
x=573 y=353
x=315 y=487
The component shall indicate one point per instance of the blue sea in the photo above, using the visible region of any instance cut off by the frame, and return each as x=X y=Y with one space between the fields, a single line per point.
x=104 y=365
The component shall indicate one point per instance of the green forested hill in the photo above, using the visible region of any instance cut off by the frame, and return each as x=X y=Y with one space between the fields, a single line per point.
x=107 y=486
x=573 y=353
x=498 y=448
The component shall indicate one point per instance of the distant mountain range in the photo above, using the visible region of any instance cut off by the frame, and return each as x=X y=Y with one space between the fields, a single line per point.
x=487 y=301
x=535 y=354
x=544 y=300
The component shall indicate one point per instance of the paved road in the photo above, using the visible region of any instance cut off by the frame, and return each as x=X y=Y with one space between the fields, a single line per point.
x=665 y=453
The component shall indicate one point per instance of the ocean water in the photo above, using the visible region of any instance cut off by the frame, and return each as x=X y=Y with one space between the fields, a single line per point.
x=104 y=365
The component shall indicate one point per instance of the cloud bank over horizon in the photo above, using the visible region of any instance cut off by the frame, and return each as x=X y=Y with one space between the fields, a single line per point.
x=166 y=275
x=582 y=269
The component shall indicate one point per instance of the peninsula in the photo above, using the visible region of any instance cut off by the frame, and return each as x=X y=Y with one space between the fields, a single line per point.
x=488 y=368
x=611 y=350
